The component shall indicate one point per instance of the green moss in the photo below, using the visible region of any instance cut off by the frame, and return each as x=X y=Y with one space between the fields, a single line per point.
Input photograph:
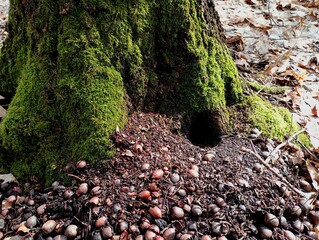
x=198 y=67
x=267 y=89
x=272 y=121
x=68 y=101
x=71 y=64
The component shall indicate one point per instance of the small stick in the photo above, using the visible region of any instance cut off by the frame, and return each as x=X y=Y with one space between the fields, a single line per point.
x=282 y=145
x=282 y=178
x=77 y=177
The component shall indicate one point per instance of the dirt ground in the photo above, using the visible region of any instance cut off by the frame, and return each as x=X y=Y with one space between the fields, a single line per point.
x=159 y=182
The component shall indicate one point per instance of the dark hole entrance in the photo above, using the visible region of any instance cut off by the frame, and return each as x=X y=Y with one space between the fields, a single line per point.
x=205 y=129
x=5 y=100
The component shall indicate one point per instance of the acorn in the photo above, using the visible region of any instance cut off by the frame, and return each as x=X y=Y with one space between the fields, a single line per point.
x=94 y=200
x=169 y=234
x=138 y=148
x=313 y=217
x=265 y=232
x=83 y=188
x=150 y=235
x=71 y=231
x=145 y=167
x=134 y=229
x=193 y=173
x=49 y=226
x=174 y=177
x=31 y=221
x=271 y=220
x=158 y=174
x=177 y=213
x=295 y=211
x=12 y=198
x=145 y=194
x=216 y=227
x=197 y=210
x=96 y=190
x=101 y=221
x=41 y=209
x=213 y=208
x=298 y=225
x=123 y=226
x=153 y=187
x=186 y=236
x=182 y=192
x=154 y=228
x=289 y=235
x=59 y=237
x=139 y=237
x=195 y=167
x=155 y=212
x=221 y=202
x=107 y=232
x=208 y=157
x=206 y=237
x=81 y=164
x=187 y=208
x=283 y=222
x=68 y=194
x=145 y=224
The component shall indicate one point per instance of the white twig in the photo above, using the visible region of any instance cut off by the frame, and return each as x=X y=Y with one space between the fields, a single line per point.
x=282 y=178
x=276 y=150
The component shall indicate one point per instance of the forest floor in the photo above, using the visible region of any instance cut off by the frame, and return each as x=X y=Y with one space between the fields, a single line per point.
x=159 y=184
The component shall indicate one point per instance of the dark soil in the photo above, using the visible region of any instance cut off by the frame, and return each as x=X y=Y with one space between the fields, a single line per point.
x=229 y=199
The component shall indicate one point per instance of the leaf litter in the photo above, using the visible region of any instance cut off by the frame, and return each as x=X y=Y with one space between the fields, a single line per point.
x=278 y=39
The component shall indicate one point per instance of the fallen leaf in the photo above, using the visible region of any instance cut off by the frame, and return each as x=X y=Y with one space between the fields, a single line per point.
x=7 y=178
x=23 y=228
x=314 y=174
x=314 y=111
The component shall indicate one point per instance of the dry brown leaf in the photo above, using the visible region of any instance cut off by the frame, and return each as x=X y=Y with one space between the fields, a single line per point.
x=278 y=61
x=298 y=76
x=314 y=111
x=314 y=174
x=237 y=19
x=256 y=24
x=6 y=204
x=235 y=39
x=250 y=2
x=23 y=228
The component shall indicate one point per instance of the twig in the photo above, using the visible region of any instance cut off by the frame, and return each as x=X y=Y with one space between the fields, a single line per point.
x=74 y=176
x=276 y=150
x=282 y=178
x=83 y=223
x=266 y=85
x=308 y=151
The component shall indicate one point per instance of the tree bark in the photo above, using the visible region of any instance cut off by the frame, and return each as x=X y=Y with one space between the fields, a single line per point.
x=76 y=69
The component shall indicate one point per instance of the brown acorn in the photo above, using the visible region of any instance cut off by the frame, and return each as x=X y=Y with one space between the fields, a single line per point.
x=155 y=212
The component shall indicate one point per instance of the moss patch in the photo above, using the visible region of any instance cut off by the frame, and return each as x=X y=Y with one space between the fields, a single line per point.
x=72 y=65
x=272 y=121
x=267 y=89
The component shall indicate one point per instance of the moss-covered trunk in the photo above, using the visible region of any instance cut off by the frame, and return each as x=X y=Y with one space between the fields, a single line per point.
x=76 y=68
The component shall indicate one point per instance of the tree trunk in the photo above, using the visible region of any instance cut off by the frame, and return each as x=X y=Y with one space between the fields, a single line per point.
x=76 y=69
